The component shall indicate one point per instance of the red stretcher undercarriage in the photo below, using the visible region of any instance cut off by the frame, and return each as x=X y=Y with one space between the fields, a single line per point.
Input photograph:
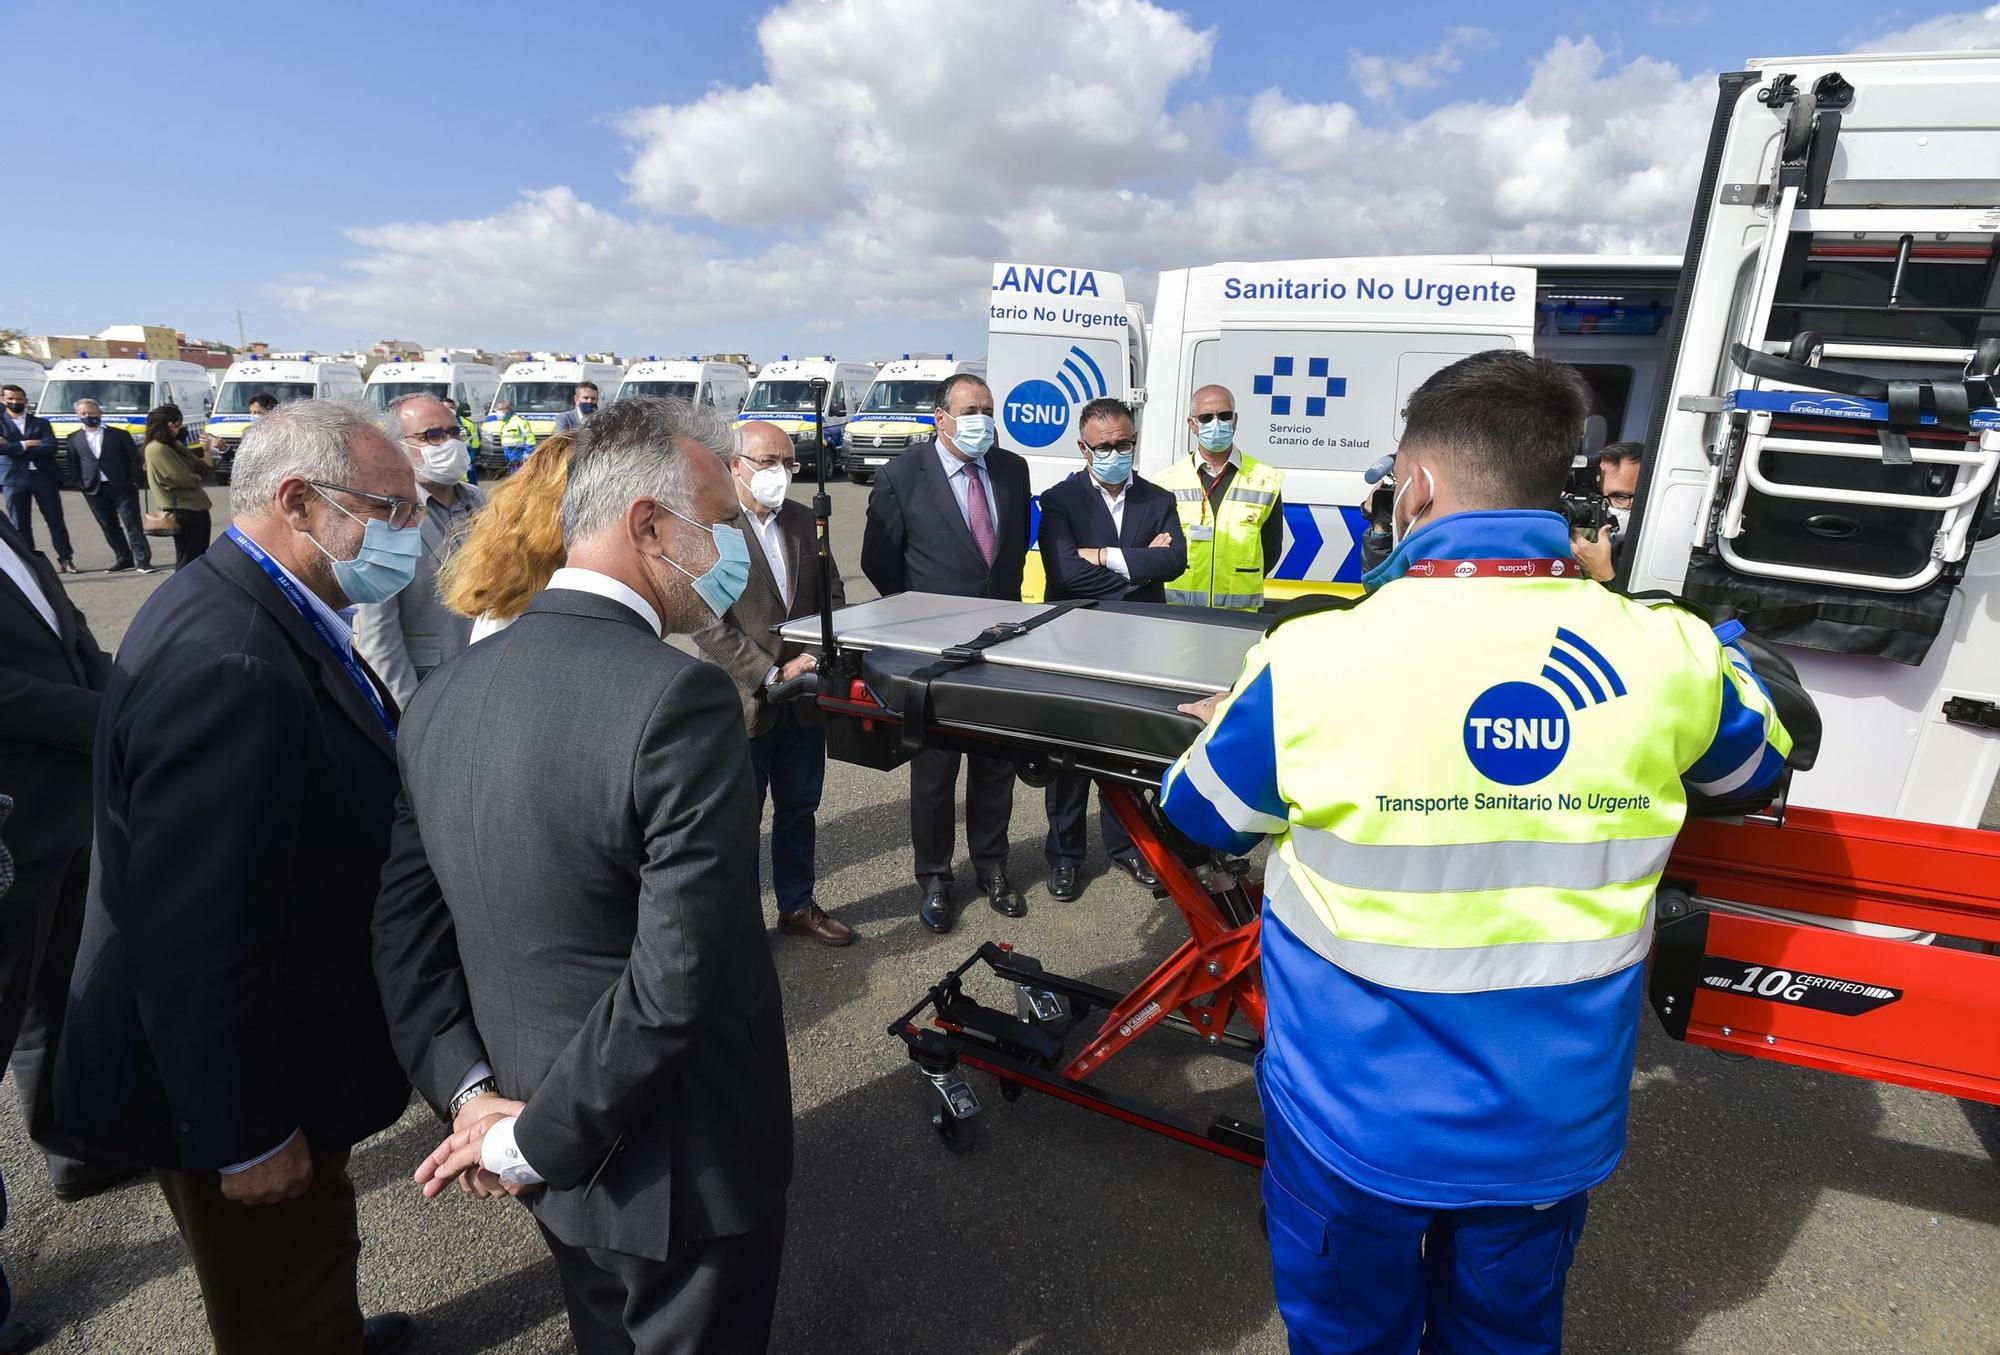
x=1922 y=1013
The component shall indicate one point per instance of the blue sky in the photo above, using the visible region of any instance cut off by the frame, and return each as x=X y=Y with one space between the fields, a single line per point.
x=816 y=175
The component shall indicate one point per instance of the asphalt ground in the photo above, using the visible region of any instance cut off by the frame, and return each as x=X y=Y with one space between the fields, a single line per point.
x=1759 y=1207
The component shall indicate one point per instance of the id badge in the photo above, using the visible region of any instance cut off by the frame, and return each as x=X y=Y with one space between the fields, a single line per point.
x=1201 y=532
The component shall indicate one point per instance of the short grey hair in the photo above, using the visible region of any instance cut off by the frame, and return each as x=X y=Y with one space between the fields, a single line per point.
x=628 y=451
x=309 y=439
x=396 y=405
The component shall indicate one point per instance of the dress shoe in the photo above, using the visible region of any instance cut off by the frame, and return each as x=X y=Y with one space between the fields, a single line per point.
x=386 y=1332
x=812 y=920
x=1006 y=901
x=1063 y=884
x=143 y=569
x=18 y=1336
x=96 y=1183
x=936 y=909
x=1136 y=867
x=120 y=567
x=66 y=567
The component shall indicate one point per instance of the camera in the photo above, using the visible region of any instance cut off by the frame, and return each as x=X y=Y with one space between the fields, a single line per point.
x=1586 y=511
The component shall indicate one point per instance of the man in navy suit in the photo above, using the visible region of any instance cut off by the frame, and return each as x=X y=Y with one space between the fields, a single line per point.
x=953 y=518
x=108 y=470
x=30 y=474
x=1105 y=533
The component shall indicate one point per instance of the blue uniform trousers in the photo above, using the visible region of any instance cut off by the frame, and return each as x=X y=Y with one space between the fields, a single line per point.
x=789 y=760
x=1068 y=802
x=1356 y=1274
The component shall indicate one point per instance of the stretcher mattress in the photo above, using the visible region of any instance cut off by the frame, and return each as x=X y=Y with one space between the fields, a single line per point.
x=1102 y=679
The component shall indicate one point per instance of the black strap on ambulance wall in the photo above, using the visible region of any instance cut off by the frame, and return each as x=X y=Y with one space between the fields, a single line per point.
x=917 y=686
x=1952 y=402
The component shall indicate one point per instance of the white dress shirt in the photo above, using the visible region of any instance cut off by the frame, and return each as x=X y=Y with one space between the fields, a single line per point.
x=773 y=541
x=17 y=568
x=1114 y=556
x=590 y=581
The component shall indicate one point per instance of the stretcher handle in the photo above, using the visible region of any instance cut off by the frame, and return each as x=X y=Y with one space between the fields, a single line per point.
x=791 y=689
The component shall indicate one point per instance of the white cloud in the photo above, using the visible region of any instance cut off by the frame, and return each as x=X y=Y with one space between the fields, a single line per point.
x=820 y=196
x=1381 y=77
x=1944 y=33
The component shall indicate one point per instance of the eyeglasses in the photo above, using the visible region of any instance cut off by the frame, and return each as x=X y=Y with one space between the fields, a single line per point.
x=1123 y=445
x=401 y=512
x=1619 y=500
x=791 y=466
x=435 y=437
x=1229 y=414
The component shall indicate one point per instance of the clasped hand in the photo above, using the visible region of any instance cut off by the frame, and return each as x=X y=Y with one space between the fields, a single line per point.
x=459 y=1158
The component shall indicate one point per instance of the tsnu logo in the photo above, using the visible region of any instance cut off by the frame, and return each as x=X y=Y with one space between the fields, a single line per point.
x=1516 y=733
x=1036 y=412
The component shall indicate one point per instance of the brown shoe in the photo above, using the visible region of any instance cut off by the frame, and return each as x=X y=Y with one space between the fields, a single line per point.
x=66 y=567
x=812 y=920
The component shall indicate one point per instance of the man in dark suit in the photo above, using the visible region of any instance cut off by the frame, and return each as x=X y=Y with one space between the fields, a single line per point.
x=224 y=1026
x=51 y=677
x=572 y=420
x=586 y=989
x=108 y=470
x=953 y=518
x=787 y=738
x=1105 y=533
x=30 y=475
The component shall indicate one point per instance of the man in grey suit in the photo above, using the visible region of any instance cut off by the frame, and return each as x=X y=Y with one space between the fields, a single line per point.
x=413 y=632
x=568 y=937
x=787 y=738
x=570 y=420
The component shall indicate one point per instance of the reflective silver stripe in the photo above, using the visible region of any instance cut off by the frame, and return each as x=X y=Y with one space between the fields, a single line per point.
x=1228 y=805
x=1181 y=597
x=1184 y=598
x=1455 y=969
x=1734 y=780
x=1250 y=496
x=1460 y=867
x=1188 y=495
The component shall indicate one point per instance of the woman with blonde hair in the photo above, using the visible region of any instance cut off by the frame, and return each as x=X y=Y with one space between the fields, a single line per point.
x=515 y=543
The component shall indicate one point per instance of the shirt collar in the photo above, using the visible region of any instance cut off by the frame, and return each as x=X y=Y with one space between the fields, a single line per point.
x=604 y=586
x=1496 y=534
x=340 y=629
x=953 y=463
x=1233 y=462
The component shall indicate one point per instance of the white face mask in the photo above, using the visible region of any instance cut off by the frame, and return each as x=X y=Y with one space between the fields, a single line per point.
x=1397 y=534
x=445 y=463
x=770 y=485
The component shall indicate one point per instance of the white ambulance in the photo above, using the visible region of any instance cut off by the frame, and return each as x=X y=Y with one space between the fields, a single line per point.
x=723 y=385
x=284 y=380
x=29 y=375
x=899 y=412
x=783 y=395
x=539 y=391
x=126 y=391
x=472 y=384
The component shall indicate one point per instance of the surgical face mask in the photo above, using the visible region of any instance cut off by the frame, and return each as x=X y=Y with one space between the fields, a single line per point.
x=724 y=581
x=770 y=485
x=384 y=565
x=445 y=463
x=1398 y=533
x=1619 y=517
x=1216 y=434
x=92 y=420
x=1113 y=468
x=17 y=406
x=586 y=407
x=973 y=434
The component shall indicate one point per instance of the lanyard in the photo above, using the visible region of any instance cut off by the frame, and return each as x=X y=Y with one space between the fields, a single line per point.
x=1208 y=494
x=1494 y=569
x=304 y=605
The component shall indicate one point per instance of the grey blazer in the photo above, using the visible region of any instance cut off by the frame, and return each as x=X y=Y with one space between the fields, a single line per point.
x=571 y=896
x=742 y=641
x=413 y=632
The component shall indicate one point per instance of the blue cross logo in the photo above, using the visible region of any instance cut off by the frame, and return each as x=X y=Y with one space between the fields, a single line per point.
x=1329 y=387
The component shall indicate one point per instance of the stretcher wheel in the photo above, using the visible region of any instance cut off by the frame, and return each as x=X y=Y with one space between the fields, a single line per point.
x=1985 y=359
x=1010 y=1090
x=1798 y=128
x=1805 y=347
x=958 y=1136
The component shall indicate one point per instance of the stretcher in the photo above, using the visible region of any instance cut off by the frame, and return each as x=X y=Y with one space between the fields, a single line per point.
x=1740 y=963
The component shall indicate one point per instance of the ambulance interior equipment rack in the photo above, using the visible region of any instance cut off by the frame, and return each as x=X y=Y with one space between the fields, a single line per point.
x=1856 y=438
x=1094 y=690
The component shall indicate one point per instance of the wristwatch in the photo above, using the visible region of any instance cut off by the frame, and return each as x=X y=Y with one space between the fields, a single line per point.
x=472 y=1093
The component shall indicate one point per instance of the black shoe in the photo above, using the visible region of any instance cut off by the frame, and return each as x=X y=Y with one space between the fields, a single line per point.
x=120 y=567
x=386 y=1332
x=96 y=1183
x=935 y=911
x=1063 y=884
x=18 y=1336
x=1006 y=901
x=1136 y=867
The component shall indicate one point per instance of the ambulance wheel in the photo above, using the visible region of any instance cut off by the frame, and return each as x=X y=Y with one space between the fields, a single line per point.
x=1010 y=1090
x=1805 y=347
x=958 y=1136
x=861 y=477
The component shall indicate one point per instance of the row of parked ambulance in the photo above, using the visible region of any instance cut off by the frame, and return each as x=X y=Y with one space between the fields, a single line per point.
x=877 y=409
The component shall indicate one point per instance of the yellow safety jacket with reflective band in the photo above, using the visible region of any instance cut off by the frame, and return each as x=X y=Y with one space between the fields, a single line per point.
x=517 y=432
x=1228 y=570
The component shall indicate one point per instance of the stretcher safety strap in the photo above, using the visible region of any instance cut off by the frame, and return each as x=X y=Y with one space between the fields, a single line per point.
x=917 y=687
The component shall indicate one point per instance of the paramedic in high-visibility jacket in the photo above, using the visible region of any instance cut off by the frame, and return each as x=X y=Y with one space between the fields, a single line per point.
x=1230 y=507
x=1458 y=897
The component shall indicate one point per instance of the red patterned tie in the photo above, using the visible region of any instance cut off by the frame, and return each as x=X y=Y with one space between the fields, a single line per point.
x=978 y=512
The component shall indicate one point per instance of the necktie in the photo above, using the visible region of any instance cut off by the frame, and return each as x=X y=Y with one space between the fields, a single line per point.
x=979 y=513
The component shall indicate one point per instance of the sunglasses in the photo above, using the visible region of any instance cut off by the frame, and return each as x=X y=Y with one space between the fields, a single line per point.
x=1229 y=414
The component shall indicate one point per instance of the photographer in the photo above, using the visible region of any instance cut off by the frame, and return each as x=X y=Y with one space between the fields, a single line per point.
x=1617 y=479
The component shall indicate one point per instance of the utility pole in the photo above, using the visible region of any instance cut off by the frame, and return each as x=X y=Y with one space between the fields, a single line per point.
x=241 y=342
